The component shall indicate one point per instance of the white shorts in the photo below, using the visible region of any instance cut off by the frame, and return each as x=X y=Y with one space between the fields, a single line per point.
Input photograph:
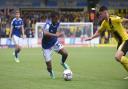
x=48 y=52
x=17 y=40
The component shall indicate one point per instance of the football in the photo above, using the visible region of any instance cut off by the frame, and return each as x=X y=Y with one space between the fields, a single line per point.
x=67 y=75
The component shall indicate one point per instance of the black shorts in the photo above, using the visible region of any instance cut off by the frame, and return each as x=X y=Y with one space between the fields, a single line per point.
x=123 y=47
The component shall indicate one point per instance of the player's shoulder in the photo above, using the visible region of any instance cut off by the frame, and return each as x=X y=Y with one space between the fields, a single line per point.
x=13 y=19
x=113 y=17
x=58 y=23
x=48 y=22
x=20 y=19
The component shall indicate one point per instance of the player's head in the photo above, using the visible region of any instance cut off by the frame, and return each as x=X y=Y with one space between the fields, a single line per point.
x=17 y=14
x=103 y=11
x=54 y=17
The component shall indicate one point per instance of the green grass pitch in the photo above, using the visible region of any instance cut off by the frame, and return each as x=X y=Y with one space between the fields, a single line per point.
x=93 y=68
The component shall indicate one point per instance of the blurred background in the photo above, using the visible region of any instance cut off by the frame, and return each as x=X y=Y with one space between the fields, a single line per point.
x=71 y=11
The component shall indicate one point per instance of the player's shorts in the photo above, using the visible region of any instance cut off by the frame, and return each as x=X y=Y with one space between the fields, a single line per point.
x=48 y=52
x=123 y=47
x=17 y=40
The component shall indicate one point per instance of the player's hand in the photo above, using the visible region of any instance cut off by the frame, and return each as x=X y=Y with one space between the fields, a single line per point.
x=59 y=34
x=88 y=38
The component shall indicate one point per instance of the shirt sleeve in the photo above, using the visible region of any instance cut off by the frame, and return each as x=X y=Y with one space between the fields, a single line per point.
x=102 y=27
x=58 y=26
x=12 y=23
x=22 y=23
x=46 y=27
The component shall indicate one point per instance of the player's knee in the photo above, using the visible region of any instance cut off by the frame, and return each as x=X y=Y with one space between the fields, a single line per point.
x=117 y=58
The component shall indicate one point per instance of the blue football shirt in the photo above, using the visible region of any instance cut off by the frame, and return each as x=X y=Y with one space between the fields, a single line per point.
x=17 y=26
x=48 y=42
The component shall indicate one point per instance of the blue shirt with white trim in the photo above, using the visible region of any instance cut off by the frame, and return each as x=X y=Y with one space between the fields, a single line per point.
x=49 y=41
x=17 y=26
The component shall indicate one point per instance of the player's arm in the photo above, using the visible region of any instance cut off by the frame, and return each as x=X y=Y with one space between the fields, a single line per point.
x=125 y=20
x=119 y=19
x=97 y=33
x=23 y=31
x=10 y=35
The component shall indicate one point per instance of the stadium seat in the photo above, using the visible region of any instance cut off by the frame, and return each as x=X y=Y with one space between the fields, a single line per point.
x=52 y=3
x=81 y=3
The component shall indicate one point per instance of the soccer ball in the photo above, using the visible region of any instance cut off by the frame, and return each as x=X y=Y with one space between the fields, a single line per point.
x=67 y=74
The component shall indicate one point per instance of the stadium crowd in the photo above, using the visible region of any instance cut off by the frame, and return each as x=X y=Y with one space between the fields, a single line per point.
x=30 y=18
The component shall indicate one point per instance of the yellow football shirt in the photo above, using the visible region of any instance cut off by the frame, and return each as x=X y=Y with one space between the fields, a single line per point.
x=114 y=26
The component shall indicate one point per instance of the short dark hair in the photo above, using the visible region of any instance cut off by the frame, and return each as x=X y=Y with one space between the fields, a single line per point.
x=103 y=8
x=17 y=11
x=54 y=14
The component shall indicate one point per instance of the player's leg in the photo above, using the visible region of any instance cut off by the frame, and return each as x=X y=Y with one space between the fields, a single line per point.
x=17 y=51
x=120 y=54
x=49 y=69
x=17 y=47
x=58 y=47
x=47 y=55
x=64 y=55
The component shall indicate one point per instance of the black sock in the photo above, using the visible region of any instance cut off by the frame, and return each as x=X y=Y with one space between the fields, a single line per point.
x=16 y=52
x=64 y=57
x=49 y=70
